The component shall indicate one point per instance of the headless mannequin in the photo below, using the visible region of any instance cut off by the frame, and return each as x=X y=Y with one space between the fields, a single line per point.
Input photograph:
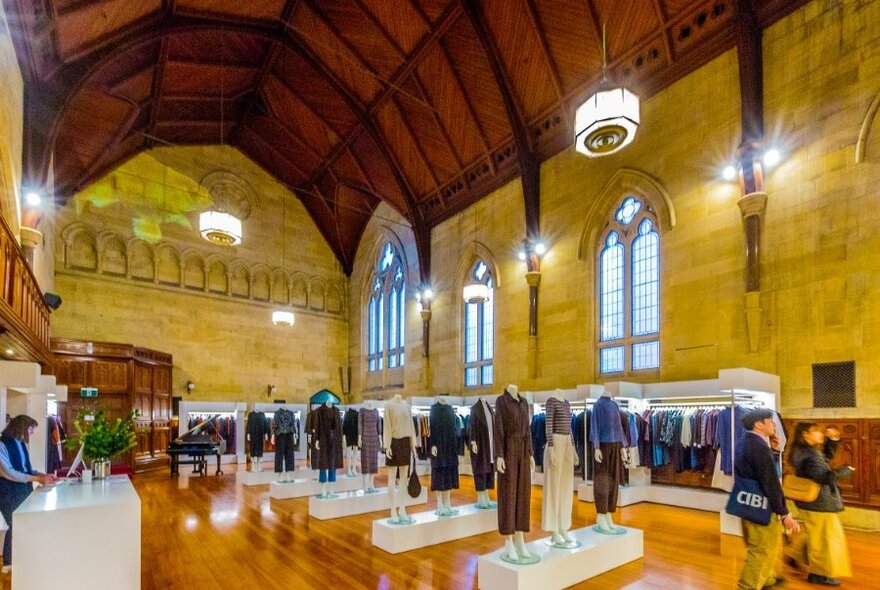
x=514 y=545
x=326 y=487
x=604 y=521
x=256 y=462
x=283 y=477
x=368 y=477
x=561 y=537
x=395 y=491
x=444 y=499
x=483 y=500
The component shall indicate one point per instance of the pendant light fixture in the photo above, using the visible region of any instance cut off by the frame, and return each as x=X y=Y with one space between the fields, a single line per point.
x=475 y=291
x=607 y=122
x=283 y=317
x=218 y=226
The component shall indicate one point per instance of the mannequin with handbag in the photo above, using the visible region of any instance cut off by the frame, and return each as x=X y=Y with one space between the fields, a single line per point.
x=822 y=548
x=399 y=439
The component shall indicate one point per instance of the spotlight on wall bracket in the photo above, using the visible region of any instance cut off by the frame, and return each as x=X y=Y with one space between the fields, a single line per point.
x=270 y=390
x=190 y=386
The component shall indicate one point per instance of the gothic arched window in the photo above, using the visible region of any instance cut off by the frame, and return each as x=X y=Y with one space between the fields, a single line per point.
x=386 y=315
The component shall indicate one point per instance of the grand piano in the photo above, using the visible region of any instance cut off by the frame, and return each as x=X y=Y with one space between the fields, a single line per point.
x=193 y=448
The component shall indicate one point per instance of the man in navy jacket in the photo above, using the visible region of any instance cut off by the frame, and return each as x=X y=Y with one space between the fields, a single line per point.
x=754 y=460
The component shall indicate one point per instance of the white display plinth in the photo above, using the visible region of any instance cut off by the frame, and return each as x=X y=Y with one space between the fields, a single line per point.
x=74 y=535
x=626 y=495
x=359 y=502
x=731 y=525
x=561 y=568
x=430 y=529
x=300 y=488
x=261 y=478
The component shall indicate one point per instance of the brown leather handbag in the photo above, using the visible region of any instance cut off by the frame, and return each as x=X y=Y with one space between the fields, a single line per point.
x=800 y=489
x=414 y=487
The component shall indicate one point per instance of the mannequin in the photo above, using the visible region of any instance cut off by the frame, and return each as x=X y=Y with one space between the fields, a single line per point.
x=444 y=455
x=606 y=434
x=514 y=461
x=283 y=429
x=257 y=434
x=328 y=444
x=350 y=434
x=369 y=433
x=482 y=452
x=559 y=462
x=399 y=439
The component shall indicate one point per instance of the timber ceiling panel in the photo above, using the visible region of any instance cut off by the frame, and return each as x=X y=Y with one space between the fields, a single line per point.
x=82 y=24
x=413 y=102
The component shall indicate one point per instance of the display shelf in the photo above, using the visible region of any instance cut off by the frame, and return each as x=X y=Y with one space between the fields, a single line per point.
x=430 y=529
x=301 y=488
x=561 y=568
x=359 y=502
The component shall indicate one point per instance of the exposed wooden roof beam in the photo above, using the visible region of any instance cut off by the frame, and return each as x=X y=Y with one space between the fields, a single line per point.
x=528 y=161
x=156 y=93
x=108 y=151
x=446 y=140
x=661 y=18
x=470 y=106
x=415 y=140
x=532 y=12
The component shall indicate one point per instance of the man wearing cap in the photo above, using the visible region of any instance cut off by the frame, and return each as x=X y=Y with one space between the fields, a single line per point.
x=754 y=460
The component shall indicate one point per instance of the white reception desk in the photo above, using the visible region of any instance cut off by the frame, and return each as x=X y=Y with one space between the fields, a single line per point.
x=78 y=537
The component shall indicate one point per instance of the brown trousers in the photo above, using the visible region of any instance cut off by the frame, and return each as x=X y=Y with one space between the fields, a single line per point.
x=515 y=488
x=606 y=476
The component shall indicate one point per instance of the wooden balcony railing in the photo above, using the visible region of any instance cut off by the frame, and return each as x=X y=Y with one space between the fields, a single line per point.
x=24 y=315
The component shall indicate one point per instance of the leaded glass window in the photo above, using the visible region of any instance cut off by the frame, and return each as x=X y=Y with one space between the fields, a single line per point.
x=629 y=290
x=386 y=320
x=479 y=332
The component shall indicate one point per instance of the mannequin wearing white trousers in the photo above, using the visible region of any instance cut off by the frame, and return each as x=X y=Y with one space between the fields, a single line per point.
x=559 y=461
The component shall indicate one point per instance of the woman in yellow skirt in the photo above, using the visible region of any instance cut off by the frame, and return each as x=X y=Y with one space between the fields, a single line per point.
x=827 y=555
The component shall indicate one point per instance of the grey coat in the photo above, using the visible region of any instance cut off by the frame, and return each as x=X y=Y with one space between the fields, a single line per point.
x=811 y=464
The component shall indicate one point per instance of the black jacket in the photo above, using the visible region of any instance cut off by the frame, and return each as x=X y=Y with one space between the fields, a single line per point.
x=811 y=464
x=754 y=460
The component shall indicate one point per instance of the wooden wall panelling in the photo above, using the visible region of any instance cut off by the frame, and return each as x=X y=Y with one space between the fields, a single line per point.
x=872 y=463
x=109 y=376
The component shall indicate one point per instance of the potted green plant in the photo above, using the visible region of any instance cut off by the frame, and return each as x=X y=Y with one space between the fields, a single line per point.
x=101 y=438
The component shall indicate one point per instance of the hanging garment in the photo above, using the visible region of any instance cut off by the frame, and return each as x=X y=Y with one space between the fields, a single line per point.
x=284 y=460
x=368 y=427
x=350 y=427
x=258 y=432
x=513 y=442
x=444 y=437
x=328 y=433
x=483 y=461
x=539 y=438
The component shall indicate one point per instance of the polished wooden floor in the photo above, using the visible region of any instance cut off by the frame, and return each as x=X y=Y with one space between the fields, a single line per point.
x=212 y=533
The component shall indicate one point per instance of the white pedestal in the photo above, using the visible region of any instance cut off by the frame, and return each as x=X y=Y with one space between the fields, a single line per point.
x=430 y=529
x=626 y=495
x=731 y=525
x=359 y=502
x=561 y=568
x=77 y=535
x=300 y=488
x=261 y=478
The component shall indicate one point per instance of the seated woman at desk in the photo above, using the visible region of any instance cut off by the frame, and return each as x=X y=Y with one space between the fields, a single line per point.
x=16 y=475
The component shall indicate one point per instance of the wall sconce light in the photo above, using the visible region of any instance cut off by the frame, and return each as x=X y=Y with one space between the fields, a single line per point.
x=32 y=198
x=424 y=297
x=190 y=386
x=768 y=159
x=539 y=248
x=271 y=390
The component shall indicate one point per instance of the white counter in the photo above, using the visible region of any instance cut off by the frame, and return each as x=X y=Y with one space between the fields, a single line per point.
x=78 y=536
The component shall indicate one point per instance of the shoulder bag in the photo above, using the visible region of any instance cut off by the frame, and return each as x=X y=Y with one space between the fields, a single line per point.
x=800 y=489
x=414 y=486
x=748 y=501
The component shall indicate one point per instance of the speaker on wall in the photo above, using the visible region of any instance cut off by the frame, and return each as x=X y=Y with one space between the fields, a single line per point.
x=52 y=300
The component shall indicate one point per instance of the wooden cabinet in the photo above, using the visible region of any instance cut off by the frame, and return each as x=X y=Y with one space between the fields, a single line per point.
x=859 y=447
x=128 y=378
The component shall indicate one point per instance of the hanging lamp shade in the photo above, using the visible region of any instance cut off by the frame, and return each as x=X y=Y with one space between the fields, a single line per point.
x=221 y=228
x=282 y=317
x=475 y=293
x=607 y=122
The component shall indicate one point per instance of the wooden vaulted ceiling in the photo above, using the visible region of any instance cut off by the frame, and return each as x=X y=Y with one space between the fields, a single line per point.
x=348 y=102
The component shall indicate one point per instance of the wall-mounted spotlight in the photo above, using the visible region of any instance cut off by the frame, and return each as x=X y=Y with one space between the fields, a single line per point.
x=729 y=172
x=772 y=157
x=271 y=390
x=190 y=386
x=424 y=297
x=33 y=198
x=539 y=248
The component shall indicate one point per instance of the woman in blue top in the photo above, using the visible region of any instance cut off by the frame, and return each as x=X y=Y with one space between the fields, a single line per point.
x=16 y=474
